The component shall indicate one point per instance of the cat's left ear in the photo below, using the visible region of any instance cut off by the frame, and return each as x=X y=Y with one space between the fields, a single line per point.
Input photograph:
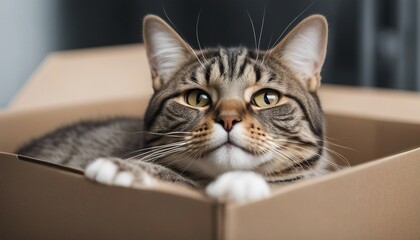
x=303 y=50
x=166 y=50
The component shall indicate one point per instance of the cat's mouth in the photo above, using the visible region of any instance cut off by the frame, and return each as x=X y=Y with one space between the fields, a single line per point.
x=229 y=146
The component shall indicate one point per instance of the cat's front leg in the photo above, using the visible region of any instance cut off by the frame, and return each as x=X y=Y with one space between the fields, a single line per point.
x=118 y=172
x=239 y=186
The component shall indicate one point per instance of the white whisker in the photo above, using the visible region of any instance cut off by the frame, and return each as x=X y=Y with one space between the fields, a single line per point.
x=176 y=159
x=192 y=160
x=303 y=159
x=261 y=31
x=298 y=145
x=253 y=29
x=298 y=162
x=156 y=155
x=156 y=150
x=196 y=35
x=157 y=147
x=192 y=50
x=287 y=27
x=322 y=157
x=340 y=146
x=167 y=134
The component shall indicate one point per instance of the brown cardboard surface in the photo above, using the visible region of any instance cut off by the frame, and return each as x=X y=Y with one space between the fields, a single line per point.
x=89 y=75
x=361 y=139
x=40 y=202
x=378 y=200
x=382 y=104
x=21 y=125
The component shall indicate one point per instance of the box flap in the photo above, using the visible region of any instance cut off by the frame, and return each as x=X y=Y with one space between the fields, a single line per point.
x=20 y=125
x=85 y=76
x=390 y=105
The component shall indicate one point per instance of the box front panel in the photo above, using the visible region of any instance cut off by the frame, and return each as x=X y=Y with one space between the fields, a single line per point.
x=40 y=202
x=378 y=200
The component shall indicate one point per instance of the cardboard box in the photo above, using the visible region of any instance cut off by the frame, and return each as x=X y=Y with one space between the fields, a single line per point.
x=377 y=198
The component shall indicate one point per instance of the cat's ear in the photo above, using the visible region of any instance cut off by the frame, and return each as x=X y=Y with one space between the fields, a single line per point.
x=303 y=50
x=166 y=50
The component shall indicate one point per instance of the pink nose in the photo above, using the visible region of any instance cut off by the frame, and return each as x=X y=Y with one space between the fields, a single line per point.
x=227 y=121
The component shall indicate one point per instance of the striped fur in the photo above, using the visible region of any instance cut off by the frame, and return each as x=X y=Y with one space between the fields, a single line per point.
x=194 y=145
x=299 y=120
x=287 y=140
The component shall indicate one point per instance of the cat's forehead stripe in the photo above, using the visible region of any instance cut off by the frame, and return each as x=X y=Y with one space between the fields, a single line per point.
x=194 y=77
x=241 y=62
x=229 y=64
x=221 y=67
x=208 y=70
x=257 y=71
x=245 y=62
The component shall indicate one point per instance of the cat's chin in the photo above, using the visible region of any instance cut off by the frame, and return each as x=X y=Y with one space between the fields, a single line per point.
x=229 y=157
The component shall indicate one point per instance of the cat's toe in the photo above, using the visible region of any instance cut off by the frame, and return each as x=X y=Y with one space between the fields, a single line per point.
x=146 y=180
x=114 y=171
x=124 y=179
x=93 y=168
x=137 y=178
x=102 y=170
x=239 y=187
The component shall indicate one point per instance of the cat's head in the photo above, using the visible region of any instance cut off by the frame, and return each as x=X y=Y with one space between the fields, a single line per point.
x=237 y=109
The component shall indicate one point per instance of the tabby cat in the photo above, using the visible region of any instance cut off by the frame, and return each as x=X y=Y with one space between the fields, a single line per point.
x=231 y=121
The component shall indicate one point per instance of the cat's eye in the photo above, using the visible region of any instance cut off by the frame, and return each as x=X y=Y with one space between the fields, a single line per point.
x=266 y=98
x=197 y=98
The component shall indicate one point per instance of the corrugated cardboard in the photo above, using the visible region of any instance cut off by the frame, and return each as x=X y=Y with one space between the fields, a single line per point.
x=377 y=198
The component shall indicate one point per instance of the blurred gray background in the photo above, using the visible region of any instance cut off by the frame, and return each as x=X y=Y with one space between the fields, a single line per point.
x=372 y=42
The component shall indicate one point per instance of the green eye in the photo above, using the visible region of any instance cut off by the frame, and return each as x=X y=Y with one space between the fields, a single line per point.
x=197 y=98
x=266 y=98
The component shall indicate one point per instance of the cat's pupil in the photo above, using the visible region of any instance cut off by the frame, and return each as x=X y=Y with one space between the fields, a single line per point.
x=269 y=98
x=266 y=100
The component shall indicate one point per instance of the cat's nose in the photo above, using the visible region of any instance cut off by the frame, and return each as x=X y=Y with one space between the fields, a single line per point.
x=227 y=121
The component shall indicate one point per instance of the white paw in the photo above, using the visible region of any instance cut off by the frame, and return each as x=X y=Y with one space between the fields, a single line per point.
x=239 y=187
x=107 y=171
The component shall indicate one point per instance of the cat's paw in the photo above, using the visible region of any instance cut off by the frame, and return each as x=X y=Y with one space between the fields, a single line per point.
x=113 y=171
x=239 y=187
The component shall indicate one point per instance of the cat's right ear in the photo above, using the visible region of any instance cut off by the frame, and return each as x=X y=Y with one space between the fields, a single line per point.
x=166 y=50
x=303 y=50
